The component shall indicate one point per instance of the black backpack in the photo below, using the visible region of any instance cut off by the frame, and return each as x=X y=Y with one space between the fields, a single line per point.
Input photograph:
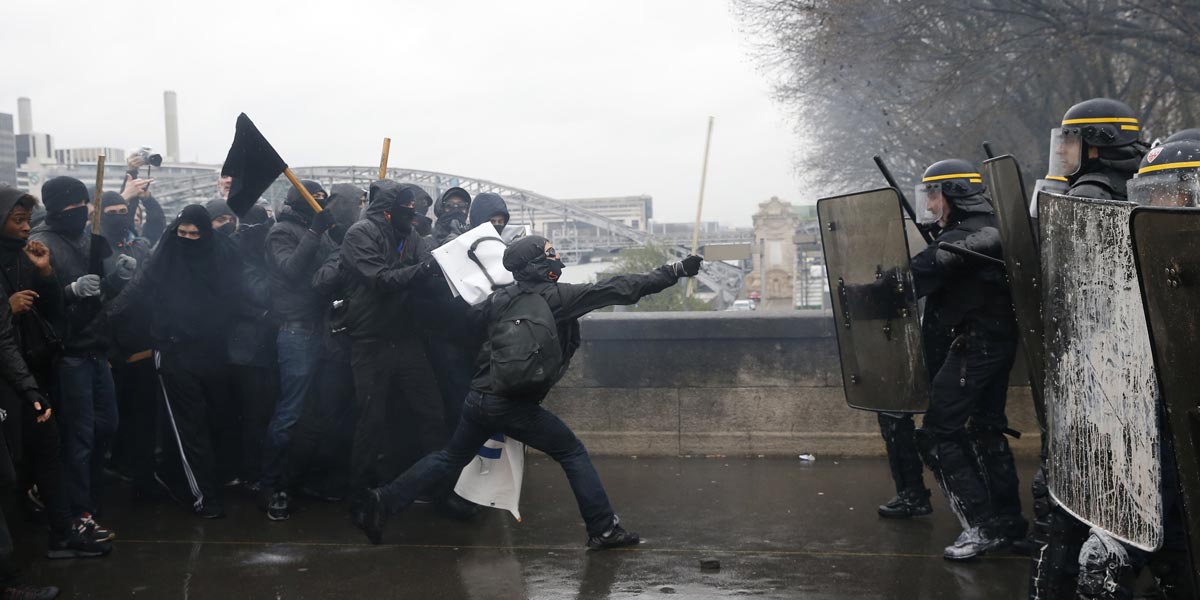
x=526 y=357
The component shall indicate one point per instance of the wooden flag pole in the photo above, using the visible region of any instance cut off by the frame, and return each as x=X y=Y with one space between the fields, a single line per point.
x=387 y=146
x=691 y=285
x=287 y=171
x=97 y=209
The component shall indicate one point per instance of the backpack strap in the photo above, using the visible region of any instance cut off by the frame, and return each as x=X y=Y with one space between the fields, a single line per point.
x=471 y=255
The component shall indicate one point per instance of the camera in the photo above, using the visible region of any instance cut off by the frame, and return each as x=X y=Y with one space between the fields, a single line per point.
x=154 y=160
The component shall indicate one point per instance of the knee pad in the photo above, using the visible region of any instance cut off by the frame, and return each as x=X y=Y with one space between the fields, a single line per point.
x=1105 y=571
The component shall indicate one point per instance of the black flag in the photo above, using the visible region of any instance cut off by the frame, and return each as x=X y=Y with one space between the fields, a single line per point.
x=252 y=163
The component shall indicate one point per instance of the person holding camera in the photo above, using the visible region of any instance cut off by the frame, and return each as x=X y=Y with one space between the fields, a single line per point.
x=137 y=194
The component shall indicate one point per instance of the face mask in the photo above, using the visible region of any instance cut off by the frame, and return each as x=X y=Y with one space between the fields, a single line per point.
x=543 y=269
x=499 y=228
x=402 y=218
x=423 y=225
x=228 y=229
x=116 y=227
x=192 y=248
x=69 y=222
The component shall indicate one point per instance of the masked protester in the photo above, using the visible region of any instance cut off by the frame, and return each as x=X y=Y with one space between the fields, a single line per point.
x=193 y=286
x=30 y=428
x=85 y=398
x=422 y=224
x=292 y=259
x=385 y=264
x=133 y=373
x=253 y=364
x=325 y=434
x=451 y=212
x=489 y=208
x=511 y=383
x=224 y=220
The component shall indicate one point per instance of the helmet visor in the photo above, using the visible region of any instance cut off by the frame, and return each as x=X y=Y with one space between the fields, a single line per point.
x=1166 y=188
x=930 y=205
x=1066 y=152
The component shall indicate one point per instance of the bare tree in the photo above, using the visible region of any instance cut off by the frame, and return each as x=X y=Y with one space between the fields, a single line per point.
x=922 y=80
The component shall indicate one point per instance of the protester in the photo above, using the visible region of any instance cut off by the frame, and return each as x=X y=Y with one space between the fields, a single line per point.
x=292 y=259
x=451 y=212
x=509 y=401
x=489 y=208
x=84 y=391
x=193 y=287
x=31 y=429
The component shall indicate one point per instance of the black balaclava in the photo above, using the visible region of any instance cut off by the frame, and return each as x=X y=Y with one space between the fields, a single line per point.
x=526 y=259
x=402 y=215
x=344 y=201
x=298 y=203
x=58 y=193
x=442 y=208
x=257 y=215
x=488 y=205
x=216 y=208
x=115 y=228
x=194 y=214
x=10 y=198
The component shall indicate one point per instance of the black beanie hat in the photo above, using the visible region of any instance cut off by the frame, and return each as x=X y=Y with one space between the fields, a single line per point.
x=295 y=200
x=217 y=208
x=524 y=251
x=108 y=199
x=257 y=215
x=61 y=192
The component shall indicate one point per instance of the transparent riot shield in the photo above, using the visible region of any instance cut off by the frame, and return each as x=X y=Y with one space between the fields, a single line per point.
x=1101 y=394
x=1166 y=247
x=874 y=304
x=1021 y=261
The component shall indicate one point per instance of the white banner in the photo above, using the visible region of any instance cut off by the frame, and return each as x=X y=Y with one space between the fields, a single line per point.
x=494 y=477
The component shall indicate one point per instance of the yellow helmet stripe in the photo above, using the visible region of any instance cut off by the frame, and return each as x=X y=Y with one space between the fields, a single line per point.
x=1179 y=165
x=1130 y=128
x=1056 y=178
x=1100 y=120
x=955 y=176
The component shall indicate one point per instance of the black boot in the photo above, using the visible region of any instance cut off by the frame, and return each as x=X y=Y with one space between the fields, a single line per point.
x=907 y=504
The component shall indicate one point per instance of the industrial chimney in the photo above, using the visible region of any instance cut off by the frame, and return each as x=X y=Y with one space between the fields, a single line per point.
x=24 y=115
x=171 y=112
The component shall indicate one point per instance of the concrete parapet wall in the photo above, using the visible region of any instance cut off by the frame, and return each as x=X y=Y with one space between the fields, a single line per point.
x=654 y=384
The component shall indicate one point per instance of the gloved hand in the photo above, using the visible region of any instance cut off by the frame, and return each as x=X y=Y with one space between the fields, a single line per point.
x=322 y=221
x=688 y=267
x=87 y=286
x=985 y=241
x=947 y=260
x=41 y=406
x=126 y=265
x=431 y=268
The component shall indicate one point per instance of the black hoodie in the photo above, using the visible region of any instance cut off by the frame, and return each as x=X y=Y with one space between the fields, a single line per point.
x=485 y=206
x=382 y=268
x=449 y=224
x=17 y=273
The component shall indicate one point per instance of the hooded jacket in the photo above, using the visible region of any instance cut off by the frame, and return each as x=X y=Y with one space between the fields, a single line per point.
x=17 y=272
x=568 y=302
x=291 y=255
x=252 y=338
x=382 y=269
x=449 y=225
x=191 y=289
x=81 y=332
x=485 y=206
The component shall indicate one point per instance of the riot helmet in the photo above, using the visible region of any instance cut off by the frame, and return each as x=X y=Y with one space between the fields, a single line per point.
x=957 y=183
x=1097 y=123
x=1169 y=176
x=1186 y=134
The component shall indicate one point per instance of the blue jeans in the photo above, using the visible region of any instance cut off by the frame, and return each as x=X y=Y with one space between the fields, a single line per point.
x=299 y=352
x=484 y=415
x=86 y=407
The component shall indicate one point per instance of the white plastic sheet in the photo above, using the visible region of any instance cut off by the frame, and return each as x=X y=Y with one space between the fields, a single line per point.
x=494 y=477
x=463 y=275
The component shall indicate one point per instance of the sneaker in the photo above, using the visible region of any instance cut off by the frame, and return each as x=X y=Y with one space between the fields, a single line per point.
x=371 y=516
x=458 y=508
x=97 y=532
x=973 y=542
x=907 y=504
x=77 y=543
x=277 y=510
x=616 y=537
x=28 y=592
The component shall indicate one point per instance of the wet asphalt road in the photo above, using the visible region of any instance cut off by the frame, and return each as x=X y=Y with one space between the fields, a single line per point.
x=781 y=529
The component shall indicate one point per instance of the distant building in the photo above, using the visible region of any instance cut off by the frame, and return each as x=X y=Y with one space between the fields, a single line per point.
x=34 y=147
x=8 y=151
x=632 y=211
x=774 y=272
x=78 y=156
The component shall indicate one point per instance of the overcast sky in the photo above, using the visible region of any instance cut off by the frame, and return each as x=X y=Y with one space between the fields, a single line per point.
x=568 y=99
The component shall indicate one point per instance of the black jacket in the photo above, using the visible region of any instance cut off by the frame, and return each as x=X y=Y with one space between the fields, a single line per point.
x=292 y=258
x=970 y=297
x=382 y=272
x=252 y=339
x=81 y=331
x=13 y=370
x=485 y=206
x=17 y=273
x=568 y=302
x=127 y=341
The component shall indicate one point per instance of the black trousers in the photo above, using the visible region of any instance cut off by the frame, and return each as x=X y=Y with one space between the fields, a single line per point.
x=254 y=391
x=324 y=437
x=201 y=415
x=453 y=365
x=898 y=431
x=389 y=375
x=136 y=440
x=35 y=449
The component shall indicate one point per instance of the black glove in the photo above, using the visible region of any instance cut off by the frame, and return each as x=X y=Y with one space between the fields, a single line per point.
x=39 y=402
x=430 y=268
x=688 y=267
x=985 y=241
x=322 y=221
x=947 y=260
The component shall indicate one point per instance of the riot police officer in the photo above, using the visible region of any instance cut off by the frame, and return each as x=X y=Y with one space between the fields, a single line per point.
x=968 y=311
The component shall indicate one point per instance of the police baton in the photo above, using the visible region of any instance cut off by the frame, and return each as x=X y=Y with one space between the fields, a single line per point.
x=971 y=254
x=912 y=214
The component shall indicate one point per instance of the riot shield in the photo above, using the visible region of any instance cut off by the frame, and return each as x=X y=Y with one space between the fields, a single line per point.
x=1166 y=247
x=874 y=304
x=1003 y=178
x=1101 y=395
